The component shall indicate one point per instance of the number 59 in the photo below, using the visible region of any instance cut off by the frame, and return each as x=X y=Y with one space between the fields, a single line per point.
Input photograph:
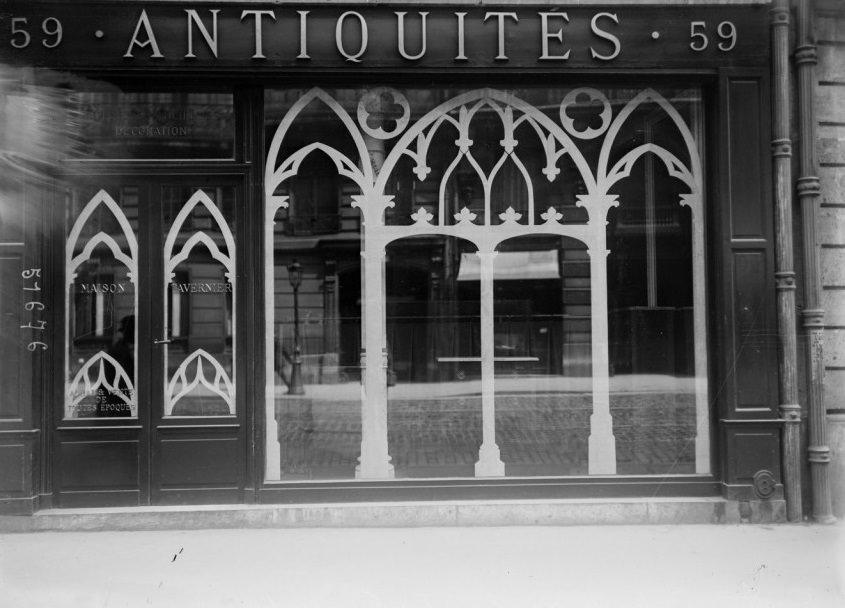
x=726 y=31
x=51 y=27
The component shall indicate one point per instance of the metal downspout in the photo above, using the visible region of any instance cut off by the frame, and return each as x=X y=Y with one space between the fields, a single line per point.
x=790 y=410
x=808 y=190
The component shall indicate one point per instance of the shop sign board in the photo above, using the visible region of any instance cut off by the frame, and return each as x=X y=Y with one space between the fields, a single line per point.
x=276 y=37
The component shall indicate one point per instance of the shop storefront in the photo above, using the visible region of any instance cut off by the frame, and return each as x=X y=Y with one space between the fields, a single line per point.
x=304 y=253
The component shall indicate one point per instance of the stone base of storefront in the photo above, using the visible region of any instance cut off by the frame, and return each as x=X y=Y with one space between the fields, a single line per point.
x=413 y=514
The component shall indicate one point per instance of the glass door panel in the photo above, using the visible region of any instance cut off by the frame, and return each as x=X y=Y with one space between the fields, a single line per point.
x=199 y=301
x=101 y=303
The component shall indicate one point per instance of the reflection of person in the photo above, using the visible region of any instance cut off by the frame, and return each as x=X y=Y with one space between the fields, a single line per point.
x=112 y=403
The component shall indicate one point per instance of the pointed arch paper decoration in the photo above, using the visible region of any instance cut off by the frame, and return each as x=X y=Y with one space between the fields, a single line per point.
x=116 y=382
x=557 y=138
x=214 y=379
x=120 y=382
x=127 y=255
x=220 y=384
x=173 y=259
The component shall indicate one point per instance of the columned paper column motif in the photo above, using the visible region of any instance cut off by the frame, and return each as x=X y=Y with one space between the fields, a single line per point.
x=489 y=461
x=272 y=448
x=602 y=445
x=702 y=420
x=374 y=459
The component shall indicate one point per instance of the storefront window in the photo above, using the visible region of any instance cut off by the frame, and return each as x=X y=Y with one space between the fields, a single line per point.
x=496 y=283
x=110 y=124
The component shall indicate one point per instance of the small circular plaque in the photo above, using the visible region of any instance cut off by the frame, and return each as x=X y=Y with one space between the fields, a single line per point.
x=764 y=484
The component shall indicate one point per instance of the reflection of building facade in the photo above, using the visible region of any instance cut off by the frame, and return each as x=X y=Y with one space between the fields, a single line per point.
x=540 y=254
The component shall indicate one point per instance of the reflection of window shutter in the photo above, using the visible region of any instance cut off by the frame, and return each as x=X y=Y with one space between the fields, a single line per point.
x=350 y=217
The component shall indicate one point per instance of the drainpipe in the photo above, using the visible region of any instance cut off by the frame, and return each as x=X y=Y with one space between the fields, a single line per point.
x=790 y=410
x=813 y=314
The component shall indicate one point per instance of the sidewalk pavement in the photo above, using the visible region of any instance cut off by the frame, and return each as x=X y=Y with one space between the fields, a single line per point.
x=533 y=567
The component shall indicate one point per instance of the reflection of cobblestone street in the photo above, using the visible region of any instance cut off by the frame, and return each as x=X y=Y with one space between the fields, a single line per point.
x=537 y=433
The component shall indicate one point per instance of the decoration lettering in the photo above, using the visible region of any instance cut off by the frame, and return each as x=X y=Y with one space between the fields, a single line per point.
x=162 y=131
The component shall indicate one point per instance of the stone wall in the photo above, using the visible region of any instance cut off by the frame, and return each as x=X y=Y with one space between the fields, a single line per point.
x=830 y=112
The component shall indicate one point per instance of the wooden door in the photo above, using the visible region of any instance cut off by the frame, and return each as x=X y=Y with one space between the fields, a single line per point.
x=151 y=408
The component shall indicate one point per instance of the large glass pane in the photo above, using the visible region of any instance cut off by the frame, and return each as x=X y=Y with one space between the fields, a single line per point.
x=316 y=366
x=199 y=302
x=651 y=302
x=542 y=334
x=101 y=303
x=115 y=124
x=434 y=384
x=314 y=313
x=540 y=303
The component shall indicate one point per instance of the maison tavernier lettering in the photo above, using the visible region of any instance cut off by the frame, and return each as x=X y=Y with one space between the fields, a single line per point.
x=202 y=287
x=102 y=288
x=266 y=37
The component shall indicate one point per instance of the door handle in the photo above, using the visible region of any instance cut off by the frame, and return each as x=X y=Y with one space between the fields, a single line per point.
x=163 y=341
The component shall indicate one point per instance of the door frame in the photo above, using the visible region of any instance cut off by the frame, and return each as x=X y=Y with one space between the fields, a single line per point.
x=115 y=462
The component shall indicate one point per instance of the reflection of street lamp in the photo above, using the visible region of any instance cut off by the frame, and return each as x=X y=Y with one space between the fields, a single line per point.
x=295 y=277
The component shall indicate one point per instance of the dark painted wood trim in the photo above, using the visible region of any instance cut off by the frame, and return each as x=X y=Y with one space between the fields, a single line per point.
x=743 y=313
x=18 y=506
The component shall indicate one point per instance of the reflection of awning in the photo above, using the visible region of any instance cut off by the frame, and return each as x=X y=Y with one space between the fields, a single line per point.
x=513 y=265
